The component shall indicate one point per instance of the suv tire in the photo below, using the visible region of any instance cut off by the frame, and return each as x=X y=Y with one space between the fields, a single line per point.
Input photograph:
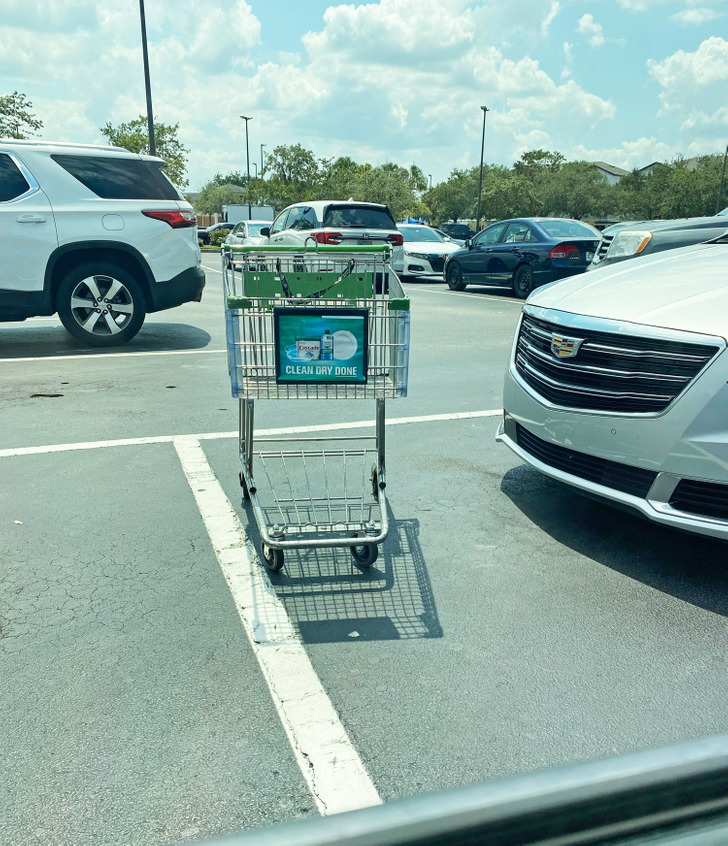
x=105 y=321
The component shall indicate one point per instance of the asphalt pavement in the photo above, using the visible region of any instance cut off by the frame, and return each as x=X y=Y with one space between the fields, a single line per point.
x=508 y=624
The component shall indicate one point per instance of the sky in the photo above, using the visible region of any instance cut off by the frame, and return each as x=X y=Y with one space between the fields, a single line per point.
x=622 y=81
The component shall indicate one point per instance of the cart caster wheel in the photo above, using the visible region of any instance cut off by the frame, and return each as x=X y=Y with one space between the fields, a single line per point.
x=272 y=558
x=364 y=555
x=244 y=486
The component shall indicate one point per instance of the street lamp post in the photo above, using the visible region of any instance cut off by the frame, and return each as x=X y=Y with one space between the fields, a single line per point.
x=147 y=84
x=255 y=165
x=480 y=184
x=430 y=175
x=261 y=160
x=247 y=159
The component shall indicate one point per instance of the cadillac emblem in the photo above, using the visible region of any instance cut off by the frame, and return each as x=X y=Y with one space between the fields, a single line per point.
x=563 y=347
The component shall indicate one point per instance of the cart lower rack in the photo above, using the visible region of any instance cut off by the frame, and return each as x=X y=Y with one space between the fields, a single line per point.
x=320 y=323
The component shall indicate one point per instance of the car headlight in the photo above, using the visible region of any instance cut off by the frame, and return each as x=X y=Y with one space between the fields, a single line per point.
x=630 y=243
x=424 y=256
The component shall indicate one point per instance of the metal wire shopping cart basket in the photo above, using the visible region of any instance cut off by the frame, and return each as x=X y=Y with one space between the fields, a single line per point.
x=320 y=323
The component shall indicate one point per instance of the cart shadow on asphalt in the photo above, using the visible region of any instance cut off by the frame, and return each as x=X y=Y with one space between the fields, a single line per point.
x=46 y=338
x=329 y=599
x=689 y=567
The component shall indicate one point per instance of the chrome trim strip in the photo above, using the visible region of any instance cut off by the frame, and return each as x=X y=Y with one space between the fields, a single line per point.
x=591 y=368
x=583 y=389
x=27 y=175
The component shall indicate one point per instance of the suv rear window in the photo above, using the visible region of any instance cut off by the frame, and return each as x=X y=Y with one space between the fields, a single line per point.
x=119 y=178
x=12 y=181
x=359 y=217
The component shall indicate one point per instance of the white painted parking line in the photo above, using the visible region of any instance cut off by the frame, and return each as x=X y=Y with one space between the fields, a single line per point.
x=453 y=294
x=329 y=762
x=260 y=433
x=81 y=355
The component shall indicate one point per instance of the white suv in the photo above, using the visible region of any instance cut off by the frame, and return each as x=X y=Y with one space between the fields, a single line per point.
x=97 y=234
x=344 y=222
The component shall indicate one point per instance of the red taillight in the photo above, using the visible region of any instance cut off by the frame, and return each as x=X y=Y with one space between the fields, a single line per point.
x=562 y=251
x=176 y=219
x=396 y=240
x=328 y=237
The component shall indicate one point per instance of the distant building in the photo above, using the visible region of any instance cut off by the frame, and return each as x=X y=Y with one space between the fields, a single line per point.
x=610 y=173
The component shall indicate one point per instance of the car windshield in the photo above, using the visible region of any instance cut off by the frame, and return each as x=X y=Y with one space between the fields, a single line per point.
x=254 y=228
x=419 y=233
x=358 y=217
x=567 y=229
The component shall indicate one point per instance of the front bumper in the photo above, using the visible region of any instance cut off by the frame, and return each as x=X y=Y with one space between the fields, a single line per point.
x=184 y=288
x=423 y=268
x=687 y=445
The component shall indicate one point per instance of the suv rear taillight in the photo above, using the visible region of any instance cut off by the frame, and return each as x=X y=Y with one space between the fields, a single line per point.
x=328 y=237
x=562 y=251
x=176 y=219
x=395 y=240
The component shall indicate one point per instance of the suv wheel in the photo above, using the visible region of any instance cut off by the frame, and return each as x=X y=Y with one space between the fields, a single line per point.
x=101 y=304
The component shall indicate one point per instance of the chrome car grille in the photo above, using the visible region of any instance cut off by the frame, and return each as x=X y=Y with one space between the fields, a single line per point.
x=603 y=247
x=610 y=371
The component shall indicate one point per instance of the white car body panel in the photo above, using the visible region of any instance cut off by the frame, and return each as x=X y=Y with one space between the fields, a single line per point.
x=413 y=261
x=652 y=291
x=666 y=296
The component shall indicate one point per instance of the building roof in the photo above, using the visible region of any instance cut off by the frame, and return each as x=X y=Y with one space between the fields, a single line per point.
x=613 y=169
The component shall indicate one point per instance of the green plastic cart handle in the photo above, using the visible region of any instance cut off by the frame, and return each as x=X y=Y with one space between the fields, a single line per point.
x=289 y=248
x=399 y=304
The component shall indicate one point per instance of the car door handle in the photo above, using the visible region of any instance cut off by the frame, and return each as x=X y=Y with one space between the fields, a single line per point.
x=30 y=218
x=515 y=250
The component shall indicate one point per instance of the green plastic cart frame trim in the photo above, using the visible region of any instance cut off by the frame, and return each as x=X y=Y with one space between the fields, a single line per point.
x=267 y=248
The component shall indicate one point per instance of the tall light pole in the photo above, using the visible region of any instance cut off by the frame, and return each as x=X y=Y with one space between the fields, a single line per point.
x=261 y=160
x=480 y=184
x=430 y=175
x=255 y=165
x=247 y=159
x=147 y=84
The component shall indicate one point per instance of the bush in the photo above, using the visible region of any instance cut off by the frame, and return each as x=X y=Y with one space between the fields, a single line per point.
x=218 y=236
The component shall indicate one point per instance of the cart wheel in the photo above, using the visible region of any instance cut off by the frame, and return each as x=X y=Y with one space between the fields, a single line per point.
x=244 y=486
x=366 y=554
x=272 y=558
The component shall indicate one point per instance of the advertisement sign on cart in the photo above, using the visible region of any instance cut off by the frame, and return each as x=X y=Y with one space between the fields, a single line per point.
x=321 y=345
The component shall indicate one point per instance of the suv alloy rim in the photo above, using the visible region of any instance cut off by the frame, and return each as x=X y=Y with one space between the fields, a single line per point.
x=102 y=305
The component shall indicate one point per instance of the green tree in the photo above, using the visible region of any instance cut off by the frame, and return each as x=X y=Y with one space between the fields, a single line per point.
x=576 y=189
x=212 y=198
x=456 y=198
x=389 y=184
x=338 y=178
x=134 y=136
x=16 y=118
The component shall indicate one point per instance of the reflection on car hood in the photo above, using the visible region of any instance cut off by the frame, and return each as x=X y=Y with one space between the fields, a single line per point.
x=681 y=289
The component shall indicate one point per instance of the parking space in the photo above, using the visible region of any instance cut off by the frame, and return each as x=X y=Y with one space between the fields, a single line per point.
x=159 y=679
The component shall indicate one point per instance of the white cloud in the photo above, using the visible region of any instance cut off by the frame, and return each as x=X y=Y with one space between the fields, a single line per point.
x=695 y=17
x=549 y=19
x=591 y=30
x=568 y=60
x=695 y=82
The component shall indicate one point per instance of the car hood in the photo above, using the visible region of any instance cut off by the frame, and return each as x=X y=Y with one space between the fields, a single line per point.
x=683 y=289
x=440 y=248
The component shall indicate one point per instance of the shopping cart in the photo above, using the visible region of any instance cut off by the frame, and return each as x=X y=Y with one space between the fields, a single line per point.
x=325 y=323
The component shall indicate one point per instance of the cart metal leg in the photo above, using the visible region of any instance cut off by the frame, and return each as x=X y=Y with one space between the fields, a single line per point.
x=246 y=419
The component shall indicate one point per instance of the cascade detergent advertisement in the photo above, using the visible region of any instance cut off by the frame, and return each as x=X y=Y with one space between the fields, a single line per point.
x=321 y=345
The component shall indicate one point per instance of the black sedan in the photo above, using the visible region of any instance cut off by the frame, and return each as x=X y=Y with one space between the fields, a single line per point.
x=523 y=254
x=204 y=233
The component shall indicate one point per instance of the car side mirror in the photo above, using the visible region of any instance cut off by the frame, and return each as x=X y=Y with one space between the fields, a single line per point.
x=468 y=243
x=265 y=231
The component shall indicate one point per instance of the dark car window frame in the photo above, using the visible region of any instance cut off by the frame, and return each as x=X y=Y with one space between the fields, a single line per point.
x=479 y=240
x=279 y=224
x=519 y=224
x=14 y=184
x=118 y=177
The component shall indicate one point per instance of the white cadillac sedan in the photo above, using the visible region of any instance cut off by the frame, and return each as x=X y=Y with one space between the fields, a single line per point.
x=617 y=386
x=424 y=252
